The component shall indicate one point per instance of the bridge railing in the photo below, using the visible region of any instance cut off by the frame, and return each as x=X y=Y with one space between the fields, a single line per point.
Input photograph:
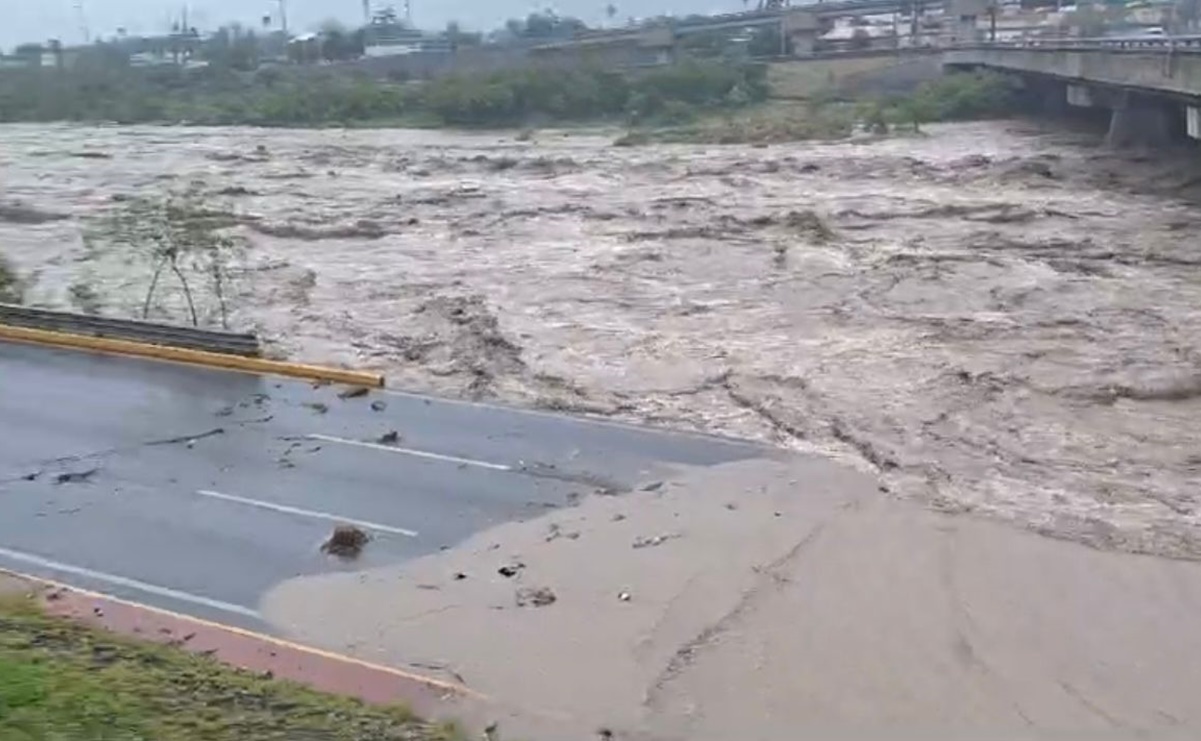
x=1164 y=44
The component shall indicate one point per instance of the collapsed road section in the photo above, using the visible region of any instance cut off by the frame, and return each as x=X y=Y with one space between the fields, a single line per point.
x=197 y=489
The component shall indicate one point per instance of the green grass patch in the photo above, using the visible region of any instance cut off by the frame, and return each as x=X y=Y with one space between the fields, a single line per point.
x=59 y=680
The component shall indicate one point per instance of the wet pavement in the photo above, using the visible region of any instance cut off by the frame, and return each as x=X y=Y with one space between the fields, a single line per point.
x=198 y=490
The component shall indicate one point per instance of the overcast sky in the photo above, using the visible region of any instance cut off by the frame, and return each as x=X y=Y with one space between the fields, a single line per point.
x=37 y=20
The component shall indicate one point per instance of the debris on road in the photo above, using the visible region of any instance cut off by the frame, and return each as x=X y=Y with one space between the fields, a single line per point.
x=347 y=541
x=379 y=406
x=354 y=393
x=535 y=596
x=75 y=477
x=554 y=532
x=510 y=570
x=391 y=437
x=655 y=486
x=460 y=576
x=653 y=542
x=185 y=439
x=317 y=406
x=624 y=596
x=434 y=667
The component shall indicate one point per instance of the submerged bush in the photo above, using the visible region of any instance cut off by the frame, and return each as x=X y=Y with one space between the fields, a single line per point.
x=11 y=289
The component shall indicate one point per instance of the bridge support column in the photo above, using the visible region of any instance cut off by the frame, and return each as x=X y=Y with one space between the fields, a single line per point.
x=1136 y=123
x=1080 y=96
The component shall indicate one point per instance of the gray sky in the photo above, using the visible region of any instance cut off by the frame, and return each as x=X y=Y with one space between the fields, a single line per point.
x=37 y=20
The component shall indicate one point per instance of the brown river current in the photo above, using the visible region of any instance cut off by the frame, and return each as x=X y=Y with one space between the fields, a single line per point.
x=995 y=318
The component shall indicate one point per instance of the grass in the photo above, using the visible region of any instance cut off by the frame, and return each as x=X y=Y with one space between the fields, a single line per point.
x=61 y=681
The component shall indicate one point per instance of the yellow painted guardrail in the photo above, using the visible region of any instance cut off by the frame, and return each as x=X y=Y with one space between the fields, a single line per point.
x=190 y=357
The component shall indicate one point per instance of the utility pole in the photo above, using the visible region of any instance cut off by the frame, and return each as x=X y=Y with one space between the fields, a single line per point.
x=83 y=22
x=283 y=16
x=408 y=14
x=366 y=12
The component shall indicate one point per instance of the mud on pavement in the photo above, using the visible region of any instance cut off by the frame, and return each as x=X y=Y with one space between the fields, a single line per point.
x=993 y=318
x=784 y=599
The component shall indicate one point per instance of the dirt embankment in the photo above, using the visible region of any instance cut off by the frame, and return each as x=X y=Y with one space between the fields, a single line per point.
x=992 y=318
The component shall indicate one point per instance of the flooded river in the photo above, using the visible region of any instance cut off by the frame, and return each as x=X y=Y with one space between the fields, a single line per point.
x=994 y=317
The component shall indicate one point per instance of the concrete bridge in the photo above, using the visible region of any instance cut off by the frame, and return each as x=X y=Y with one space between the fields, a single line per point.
x=799 y=25
x=1152 y=87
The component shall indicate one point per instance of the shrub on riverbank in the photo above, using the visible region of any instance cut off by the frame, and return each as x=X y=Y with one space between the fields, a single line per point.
x=960 y=96
x=564 y=95
x=956 y=97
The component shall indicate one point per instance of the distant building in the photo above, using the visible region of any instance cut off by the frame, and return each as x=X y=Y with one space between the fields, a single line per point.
x=392 y=39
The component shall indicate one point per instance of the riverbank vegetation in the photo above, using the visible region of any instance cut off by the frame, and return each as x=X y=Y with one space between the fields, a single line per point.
x=282 y=97
x=830 y=116
x=702 y=101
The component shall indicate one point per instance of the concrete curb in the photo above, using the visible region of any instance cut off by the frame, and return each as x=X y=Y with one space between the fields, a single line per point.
x=190 y=357
x=321 y=670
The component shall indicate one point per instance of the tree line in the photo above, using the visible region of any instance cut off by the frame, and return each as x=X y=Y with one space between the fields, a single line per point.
x=283 y=97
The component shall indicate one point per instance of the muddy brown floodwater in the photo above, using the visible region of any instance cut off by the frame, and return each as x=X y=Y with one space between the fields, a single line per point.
x=996 y=318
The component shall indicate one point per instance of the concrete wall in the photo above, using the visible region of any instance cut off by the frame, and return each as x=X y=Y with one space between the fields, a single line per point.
x=606 y=56
x=885 y=71
x=420 y=65
x=1178 y=73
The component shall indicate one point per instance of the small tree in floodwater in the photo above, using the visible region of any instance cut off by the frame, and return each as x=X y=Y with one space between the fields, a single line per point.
x=179 y=234
x=10 y=283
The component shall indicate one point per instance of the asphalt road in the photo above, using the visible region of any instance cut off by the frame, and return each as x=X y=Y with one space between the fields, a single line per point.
x=197 y=490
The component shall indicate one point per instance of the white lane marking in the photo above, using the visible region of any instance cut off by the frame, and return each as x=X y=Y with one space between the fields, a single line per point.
x=122 y=581
x=366 y=525
x=410 y=451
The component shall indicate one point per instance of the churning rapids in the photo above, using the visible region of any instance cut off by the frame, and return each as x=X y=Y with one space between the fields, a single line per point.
x=994 y=317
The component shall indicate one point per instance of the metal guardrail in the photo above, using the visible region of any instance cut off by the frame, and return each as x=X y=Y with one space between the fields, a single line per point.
x=168 y=335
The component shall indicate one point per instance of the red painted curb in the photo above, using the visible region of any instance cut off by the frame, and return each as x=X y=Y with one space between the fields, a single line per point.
x=321 y=670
